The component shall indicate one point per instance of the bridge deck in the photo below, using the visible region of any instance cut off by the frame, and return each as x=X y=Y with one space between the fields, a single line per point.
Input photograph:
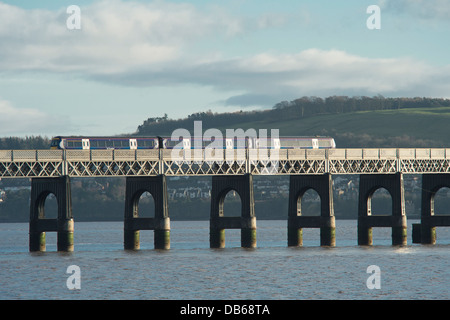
x=97 y=163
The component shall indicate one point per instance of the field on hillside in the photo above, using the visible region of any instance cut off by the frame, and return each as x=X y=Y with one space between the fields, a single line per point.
x=428 y=127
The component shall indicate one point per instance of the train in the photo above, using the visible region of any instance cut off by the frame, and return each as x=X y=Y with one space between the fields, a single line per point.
x=132 y=143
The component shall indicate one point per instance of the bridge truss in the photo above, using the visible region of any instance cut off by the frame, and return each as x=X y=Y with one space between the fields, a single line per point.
x=100 y=163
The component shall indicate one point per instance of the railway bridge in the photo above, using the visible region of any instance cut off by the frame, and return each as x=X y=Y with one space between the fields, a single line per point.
x=50 y=172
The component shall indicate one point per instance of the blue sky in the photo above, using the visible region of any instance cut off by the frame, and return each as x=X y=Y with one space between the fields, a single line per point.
x=132 y=60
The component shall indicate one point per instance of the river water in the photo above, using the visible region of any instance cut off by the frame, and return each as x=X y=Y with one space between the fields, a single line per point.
x=191 y=270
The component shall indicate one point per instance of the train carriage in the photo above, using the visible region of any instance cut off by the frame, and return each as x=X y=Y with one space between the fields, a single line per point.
x=99 y=143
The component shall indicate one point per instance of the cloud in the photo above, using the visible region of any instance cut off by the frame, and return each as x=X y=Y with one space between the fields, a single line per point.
x=252 y=100
x=15 y=121
x=155 y=44
x=424 y=9
x=265 y=78
x=115 y=36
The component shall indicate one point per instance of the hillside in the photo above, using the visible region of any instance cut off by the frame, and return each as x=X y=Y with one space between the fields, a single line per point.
x=391 y=128
x=353 y=122
x=422 y=124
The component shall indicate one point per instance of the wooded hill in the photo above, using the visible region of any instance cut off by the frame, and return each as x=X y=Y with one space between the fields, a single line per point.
x=32 y=142
x=352 y=121
x=371 y=122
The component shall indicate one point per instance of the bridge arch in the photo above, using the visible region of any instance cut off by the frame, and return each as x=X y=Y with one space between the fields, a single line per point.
x=303 y=197
x=42 y=205
x=224 y=202
x=156 y=186
x=246 y=222
x=368 y=185
x=61 y=222
x=144 y=204
x=425 y=232
x=298 y=186
x=436 y=197
x=379 y=201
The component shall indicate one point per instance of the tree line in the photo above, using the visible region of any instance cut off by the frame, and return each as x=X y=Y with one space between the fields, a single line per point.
x=285 y=110
x=288 y=110
x=18 y=143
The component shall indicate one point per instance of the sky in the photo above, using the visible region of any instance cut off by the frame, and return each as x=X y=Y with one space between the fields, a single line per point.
x=127 y=61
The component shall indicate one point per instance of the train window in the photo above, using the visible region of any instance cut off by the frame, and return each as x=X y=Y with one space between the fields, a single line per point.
x=55 y=143
x=77 y=144
x=241 y=143
x=303 y=143
x=144 y=143
x=324 y=143
x=122 y=143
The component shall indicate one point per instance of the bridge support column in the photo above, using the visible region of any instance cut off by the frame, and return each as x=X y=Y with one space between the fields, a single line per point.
x=160 y=224
x=425 y=232
x=63 y=224
x=322 y=184
x=243 y=185
x=368 y=184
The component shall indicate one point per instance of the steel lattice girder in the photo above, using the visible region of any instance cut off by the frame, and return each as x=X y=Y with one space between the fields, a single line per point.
x=204 y=167
x=87 y=163
x=30 y=169
x=112 y=168
x=362 y=166
x=425 y=166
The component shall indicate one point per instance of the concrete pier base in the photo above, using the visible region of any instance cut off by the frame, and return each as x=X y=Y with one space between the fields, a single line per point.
x=393 y=183
x=243 y=185
x=160 y=224
x=425 y=232
x=37 y=240
x=131 y=239
x=322 y=184
x=216 y=237
x=65 y=235
x=39 y=224
x=428 y=237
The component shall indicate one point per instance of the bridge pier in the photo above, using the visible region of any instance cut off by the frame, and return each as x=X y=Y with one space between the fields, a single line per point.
x=425 y=232
x=298 y=185
x=368 y=184
x=160 y=224
x=243 y=185
x=63 y=224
